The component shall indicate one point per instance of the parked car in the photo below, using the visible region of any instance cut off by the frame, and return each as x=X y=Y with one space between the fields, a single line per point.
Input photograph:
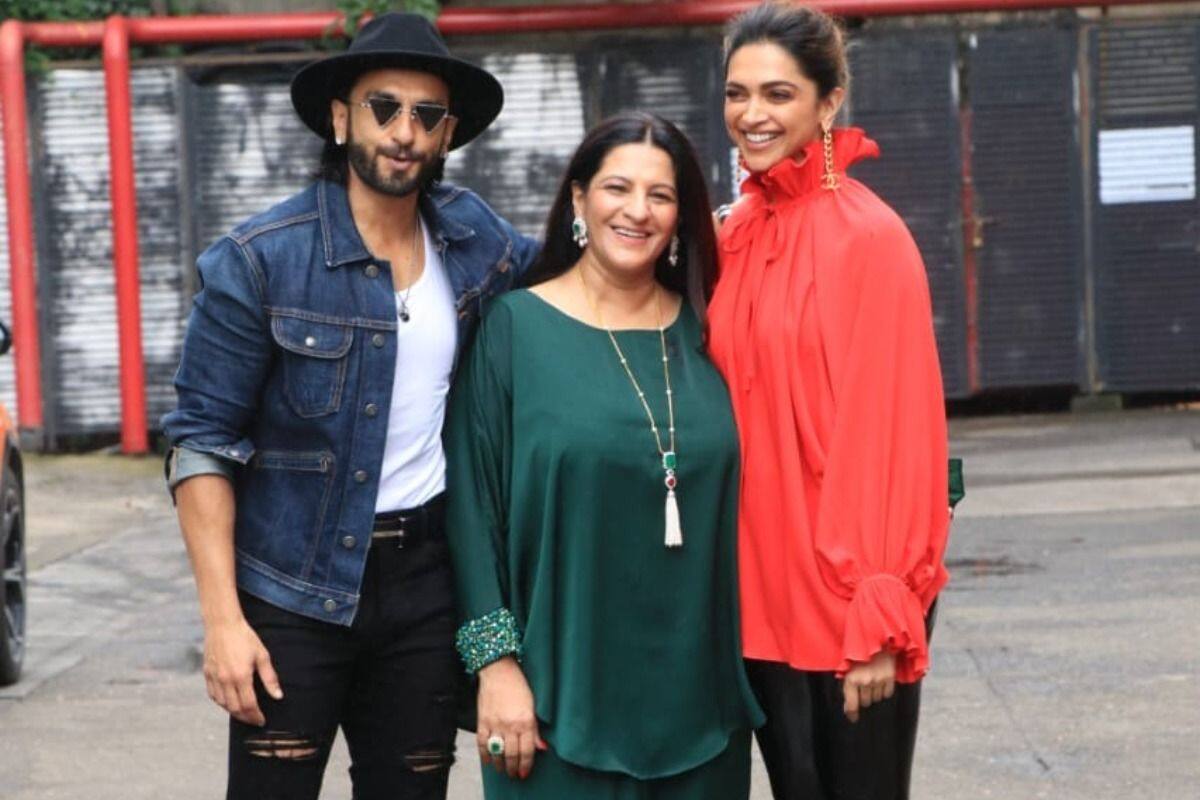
x=12 y=542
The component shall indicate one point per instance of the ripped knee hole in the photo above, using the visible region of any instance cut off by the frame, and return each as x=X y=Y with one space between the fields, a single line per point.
x=280 y=744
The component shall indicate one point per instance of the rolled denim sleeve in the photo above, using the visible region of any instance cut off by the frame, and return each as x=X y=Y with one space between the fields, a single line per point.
x=224 y=362
x=183 y=463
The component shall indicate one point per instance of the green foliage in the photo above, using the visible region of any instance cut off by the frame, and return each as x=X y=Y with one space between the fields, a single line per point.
x=35 y=10
x=355 y=10
x=37 y=60
x=428 y=8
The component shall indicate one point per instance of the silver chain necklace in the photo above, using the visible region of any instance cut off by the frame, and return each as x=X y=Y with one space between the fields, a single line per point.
x=412 y=262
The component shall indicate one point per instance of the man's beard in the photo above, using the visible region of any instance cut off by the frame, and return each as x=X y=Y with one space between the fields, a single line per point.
x=366 y=166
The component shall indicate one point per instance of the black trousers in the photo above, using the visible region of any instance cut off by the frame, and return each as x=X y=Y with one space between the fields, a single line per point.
x=390 y=681
x=813 y=752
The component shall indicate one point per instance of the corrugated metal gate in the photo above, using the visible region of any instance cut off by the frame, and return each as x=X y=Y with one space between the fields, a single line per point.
x=215 y=145
x=76 y=282
x=517 y=163
x=680 y=79
x=1028 y=203
x=1147 y=243
x=556 y=90
x=8 y=386
x=249 y=149
x=905 y=95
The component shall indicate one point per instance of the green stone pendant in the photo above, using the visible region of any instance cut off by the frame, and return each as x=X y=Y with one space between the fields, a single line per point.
x=668 y=460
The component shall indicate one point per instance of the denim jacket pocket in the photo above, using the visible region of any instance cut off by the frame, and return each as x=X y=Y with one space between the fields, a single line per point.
x=314 y=362
x=280 y=530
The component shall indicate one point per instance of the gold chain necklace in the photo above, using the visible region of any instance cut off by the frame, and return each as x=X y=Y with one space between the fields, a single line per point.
x=673 y=535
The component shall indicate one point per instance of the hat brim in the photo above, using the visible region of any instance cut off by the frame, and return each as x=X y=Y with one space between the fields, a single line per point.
x=476 y=97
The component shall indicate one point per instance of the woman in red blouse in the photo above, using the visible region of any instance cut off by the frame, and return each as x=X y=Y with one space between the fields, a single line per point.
x=821 y=325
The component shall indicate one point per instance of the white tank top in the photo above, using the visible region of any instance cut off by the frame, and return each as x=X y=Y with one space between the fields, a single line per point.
x=414 y=464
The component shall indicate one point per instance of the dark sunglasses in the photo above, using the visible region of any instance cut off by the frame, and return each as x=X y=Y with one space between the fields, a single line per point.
x=385 y=110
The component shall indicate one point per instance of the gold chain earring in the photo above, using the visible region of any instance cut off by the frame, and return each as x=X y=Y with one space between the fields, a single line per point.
x=830 y=179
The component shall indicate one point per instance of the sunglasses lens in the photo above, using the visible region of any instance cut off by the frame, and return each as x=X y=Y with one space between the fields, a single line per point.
x=383 y=109
x=430 y=115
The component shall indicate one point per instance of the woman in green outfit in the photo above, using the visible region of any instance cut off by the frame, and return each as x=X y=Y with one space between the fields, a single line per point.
x=594 y=465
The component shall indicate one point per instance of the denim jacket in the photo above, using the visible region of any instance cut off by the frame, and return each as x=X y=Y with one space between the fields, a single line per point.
x=286 y=376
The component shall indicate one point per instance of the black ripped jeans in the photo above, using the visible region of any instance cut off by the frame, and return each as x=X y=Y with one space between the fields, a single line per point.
x=390 y=681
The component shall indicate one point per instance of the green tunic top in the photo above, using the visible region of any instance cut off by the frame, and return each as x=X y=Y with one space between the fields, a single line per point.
x=556 y=526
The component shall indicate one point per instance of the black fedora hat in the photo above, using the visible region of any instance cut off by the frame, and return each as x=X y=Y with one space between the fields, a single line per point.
x=399 y=41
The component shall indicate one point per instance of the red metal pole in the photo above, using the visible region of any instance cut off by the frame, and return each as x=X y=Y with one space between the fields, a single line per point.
x=234 y=28
x=22 y=272
x=125 y=236
x=64 y=34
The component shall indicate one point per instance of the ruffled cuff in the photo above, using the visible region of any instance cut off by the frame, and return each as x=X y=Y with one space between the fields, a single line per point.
x=488 y=638
x=885 y=614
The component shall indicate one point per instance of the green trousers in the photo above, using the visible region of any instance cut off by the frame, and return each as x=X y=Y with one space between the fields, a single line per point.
x=726 y=777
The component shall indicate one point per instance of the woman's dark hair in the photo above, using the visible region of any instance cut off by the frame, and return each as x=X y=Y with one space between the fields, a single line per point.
x=694 y=275
x=813 y=38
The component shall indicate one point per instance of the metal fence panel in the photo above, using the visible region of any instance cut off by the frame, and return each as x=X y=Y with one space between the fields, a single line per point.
x=1147 y=237
x=905 y=95
x=555 y=91
x=1026 y=159
x=517 y=163
x=680 y=79
x=249 y=149
x=77 y=244
x=8 y=385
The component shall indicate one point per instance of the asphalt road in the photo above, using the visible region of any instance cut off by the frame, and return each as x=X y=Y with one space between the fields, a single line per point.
x=1066 y=654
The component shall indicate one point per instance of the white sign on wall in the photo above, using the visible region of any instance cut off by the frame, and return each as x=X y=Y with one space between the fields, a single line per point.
x=1148 y=165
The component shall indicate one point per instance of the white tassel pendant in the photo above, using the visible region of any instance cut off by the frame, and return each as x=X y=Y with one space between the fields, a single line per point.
x=674 y=535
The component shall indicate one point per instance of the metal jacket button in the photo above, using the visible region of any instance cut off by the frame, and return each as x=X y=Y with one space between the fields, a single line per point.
x=377 y=340
x=330 y=606
x=348 y=542
x=371 y=410
x=372 y=271
x=310 y=341
x=360 y=476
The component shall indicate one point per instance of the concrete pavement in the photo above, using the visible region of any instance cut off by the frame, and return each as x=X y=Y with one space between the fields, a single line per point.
x=1066 y=655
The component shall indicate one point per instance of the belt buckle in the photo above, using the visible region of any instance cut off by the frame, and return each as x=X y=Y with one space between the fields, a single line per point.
x=401 y=533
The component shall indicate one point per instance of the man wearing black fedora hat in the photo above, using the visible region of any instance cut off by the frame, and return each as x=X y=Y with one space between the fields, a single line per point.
x=306 y=456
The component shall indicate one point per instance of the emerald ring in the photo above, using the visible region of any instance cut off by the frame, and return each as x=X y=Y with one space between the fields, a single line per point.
x=495 y=745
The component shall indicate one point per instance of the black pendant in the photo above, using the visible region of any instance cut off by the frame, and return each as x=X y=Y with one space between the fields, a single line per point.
x=404 y=315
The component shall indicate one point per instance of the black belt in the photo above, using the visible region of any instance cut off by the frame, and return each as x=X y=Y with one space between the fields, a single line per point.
x=411 y=525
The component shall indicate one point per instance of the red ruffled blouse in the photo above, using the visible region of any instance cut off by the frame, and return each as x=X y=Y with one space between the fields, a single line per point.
x=821 y=325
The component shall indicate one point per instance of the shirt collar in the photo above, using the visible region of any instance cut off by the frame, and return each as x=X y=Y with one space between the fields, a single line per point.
x=796 y=177
x=342 y=243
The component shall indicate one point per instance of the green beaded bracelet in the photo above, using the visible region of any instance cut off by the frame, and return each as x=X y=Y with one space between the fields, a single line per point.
x=488 y=638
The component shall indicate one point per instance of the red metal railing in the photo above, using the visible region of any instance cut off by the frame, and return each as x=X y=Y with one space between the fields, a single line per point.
x=115 y=36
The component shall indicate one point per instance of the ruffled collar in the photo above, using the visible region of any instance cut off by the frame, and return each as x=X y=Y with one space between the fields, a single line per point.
x=796 y=177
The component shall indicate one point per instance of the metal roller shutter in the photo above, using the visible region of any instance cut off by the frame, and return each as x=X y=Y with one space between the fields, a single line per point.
x=517 y=163
x=1026 y=164
x=1147 y=242
x=8 y=386
x=249 y=149
x=76 y=245
x=904 y=94
x=678 y=78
